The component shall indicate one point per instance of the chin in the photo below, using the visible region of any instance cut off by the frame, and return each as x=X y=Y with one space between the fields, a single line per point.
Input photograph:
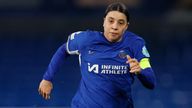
x=114 y=40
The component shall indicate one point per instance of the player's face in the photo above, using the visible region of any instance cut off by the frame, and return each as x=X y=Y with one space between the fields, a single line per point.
x=115 y=24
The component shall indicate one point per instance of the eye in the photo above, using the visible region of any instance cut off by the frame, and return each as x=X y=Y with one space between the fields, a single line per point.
x=121 y=22
x=110 y=21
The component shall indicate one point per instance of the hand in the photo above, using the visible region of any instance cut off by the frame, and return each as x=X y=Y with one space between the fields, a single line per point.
x=45 y=88
x=134 y=65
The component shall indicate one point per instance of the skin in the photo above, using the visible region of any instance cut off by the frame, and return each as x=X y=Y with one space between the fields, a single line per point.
x=134 y=65
x=45 y=88
x=115 y=24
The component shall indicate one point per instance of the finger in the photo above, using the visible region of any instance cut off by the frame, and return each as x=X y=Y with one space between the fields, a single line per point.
x=133 y=65
x=135 y=70
x=128 y=57
x=47 y=96
x=44 y=95
x=134 y=60
x=130 y=61
x=39 y=90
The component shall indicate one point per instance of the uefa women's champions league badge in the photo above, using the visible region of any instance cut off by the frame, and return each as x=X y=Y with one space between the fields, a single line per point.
x=145 y=52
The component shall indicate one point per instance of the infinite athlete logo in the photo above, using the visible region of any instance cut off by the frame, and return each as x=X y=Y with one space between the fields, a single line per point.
x=108 y=69
x=94 y=68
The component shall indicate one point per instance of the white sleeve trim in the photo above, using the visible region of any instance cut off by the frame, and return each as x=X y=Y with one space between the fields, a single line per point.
x=71 y=52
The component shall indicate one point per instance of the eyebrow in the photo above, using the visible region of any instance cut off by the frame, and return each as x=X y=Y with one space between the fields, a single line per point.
x=118 y=19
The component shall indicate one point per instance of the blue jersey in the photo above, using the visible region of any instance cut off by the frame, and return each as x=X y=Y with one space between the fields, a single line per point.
x=106 y=80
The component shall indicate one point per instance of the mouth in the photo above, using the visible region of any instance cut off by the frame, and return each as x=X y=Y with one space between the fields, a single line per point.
x=113 y=34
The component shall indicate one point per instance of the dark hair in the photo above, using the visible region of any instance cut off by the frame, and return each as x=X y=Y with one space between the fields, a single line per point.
x=118 y=6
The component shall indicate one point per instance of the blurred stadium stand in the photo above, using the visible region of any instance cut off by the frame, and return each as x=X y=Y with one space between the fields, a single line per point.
x=32 y=30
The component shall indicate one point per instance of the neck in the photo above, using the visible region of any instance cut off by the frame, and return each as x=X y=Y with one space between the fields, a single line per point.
x=113 y=41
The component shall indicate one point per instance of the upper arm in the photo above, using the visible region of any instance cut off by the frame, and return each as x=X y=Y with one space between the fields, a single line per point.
x=139 y=50
x=141 y=53
x=75 y=42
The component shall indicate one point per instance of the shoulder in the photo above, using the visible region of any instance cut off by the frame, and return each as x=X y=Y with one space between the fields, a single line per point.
x=133 y=38
x=83 y=38
x=85 y=34
x=93 y=34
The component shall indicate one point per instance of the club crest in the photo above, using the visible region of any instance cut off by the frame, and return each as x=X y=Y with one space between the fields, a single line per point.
x=122 y=54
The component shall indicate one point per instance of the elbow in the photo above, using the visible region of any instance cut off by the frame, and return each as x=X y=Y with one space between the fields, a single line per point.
x=148 y=78
x=150 y=85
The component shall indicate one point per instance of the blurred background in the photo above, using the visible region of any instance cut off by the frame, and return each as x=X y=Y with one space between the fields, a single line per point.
x=32 y=30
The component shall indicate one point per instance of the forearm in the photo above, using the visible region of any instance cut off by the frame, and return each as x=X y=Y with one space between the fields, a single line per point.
x=147 y=78
x=55 y=63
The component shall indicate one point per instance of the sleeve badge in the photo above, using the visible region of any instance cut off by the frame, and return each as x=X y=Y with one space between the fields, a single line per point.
x=145 y=52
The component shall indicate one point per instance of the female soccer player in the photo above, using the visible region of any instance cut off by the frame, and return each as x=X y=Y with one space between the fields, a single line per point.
x=109 y=62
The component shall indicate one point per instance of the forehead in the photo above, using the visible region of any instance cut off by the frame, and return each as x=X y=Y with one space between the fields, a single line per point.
x=116 y=15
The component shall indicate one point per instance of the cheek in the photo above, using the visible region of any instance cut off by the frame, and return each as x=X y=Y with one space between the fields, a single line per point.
x=124 y=29
x=106 y=28
x=104 y=24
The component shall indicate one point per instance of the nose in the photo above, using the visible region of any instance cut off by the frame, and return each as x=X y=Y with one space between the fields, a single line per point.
x=115 y=26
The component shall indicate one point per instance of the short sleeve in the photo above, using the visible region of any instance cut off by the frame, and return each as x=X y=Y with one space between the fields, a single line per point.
x=139 y=49
x=75 y=42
